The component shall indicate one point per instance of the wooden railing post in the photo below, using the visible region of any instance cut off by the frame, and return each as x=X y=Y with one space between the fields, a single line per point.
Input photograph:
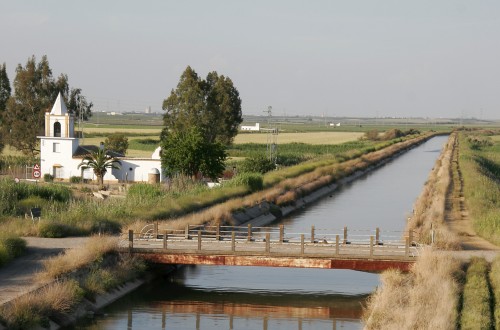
x=337 y=245
x=155 y=226
x=130 y=239
x=312 y=234
x=410 y=236
x=249 y=233
x=377 y=236
x=165 y=238
x=233 y=241
x=407 y=247
x=282 y=233
x=217 y=232
x=345 y=234
x=199 y=240
x=302 y=244
x=371 y=246
x=268 y=242
x=186 y=232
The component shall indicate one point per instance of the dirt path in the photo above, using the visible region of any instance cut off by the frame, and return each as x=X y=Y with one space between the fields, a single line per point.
x=18 y=277
x=456 y=215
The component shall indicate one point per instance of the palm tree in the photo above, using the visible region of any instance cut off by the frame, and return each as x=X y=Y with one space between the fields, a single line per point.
x=100 y=161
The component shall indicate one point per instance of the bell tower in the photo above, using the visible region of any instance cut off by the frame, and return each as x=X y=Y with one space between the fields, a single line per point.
x=58 y=122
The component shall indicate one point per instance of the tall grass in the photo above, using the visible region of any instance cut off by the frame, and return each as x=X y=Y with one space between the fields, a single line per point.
x=34 y=309
x=425 y=298
x=476 y=312
x=495 y=288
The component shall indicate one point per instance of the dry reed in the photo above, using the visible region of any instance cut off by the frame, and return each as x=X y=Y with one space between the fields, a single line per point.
x=77 y=258
x=430 y=208
x=425 y=298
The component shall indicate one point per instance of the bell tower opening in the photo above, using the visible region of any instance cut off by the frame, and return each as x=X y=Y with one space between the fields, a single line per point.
x=57 y=129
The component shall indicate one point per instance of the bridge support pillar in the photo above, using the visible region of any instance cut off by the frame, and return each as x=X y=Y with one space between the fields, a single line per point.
x=302 y=244
x=233 y=241
x=371 y=246
x=407 y=247
x=268 y=242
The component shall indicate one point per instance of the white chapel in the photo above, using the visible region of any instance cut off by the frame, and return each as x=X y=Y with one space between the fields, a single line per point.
x=61 y=152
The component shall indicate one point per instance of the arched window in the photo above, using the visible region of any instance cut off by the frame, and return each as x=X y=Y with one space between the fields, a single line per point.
x=57 y=129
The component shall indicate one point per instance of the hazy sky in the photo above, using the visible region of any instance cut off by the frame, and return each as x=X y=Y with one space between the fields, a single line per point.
x=420 y=58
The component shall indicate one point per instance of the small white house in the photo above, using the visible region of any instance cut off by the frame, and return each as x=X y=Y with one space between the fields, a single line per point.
x=61 y=152
x=251 y=128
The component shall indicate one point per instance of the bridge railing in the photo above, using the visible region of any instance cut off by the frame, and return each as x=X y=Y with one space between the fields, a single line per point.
x=197 y=237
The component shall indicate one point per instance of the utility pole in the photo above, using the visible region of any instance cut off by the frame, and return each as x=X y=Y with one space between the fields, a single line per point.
x=272 y=138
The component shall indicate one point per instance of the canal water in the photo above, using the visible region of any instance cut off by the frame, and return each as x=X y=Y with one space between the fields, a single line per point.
x=215 y=297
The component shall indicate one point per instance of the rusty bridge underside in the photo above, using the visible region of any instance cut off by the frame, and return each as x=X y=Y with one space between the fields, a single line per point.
x=353 y=263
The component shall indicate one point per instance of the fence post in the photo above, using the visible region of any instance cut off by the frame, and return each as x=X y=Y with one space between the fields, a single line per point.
x=233 y=241
x=217 y=232
x=268 y=242
x=186 y=232
x=130 y=239
x=302 y=244
x=371 y=246
x=410 y=236
x=165 y=238
x=345 y=234
x=199 y=240
x=155 y=225
x=337 y=245
x=249 y=234
x=377 y=236
x=282 y=233
x=407 y=247
x=312 y=234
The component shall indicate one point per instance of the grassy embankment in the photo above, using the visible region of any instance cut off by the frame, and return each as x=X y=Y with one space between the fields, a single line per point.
x=81 y=273
x=429 y=212
x=147 y=203
x=438 y=293
x=480 y=165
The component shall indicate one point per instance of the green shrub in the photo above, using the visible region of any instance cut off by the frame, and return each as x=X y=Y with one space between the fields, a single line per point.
x=254 y=181
x=48 y=177
x=106 y=227
x=57 y=230
x=11 y=247
x=75 y=179
x=257 y=164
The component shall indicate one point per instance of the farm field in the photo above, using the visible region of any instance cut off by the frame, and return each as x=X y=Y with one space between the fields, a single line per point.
x=306 y=137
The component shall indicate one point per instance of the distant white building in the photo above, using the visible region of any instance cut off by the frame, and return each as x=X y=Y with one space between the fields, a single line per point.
x=251 y=128
x=61 y=152
x=335 y=125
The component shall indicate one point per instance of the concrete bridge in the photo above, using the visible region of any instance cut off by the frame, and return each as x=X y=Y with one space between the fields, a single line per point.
x=370 y=251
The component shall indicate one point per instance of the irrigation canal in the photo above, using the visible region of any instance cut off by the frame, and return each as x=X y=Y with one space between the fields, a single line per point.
x=219 y=297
